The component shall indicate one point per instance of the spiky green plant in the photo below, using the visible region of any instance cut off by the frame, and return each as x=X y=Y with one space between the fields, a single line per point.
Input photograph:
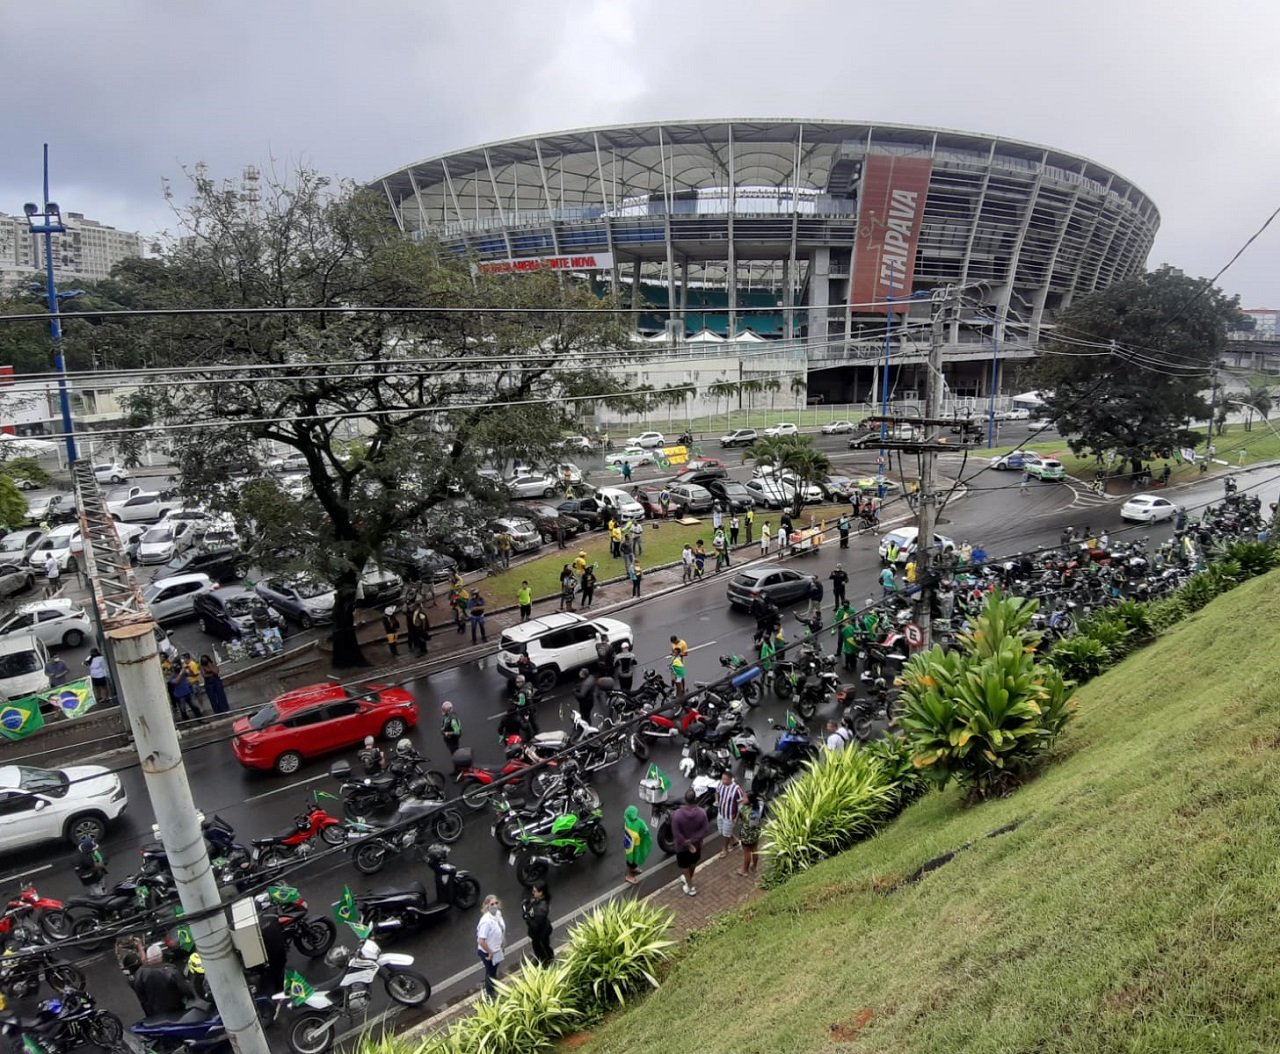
x=1136 y=618
x=1254 y=558
x=893 y=754
x=1080 y=658
x=1110 y=632
x=1198 y=590
x=615 y=950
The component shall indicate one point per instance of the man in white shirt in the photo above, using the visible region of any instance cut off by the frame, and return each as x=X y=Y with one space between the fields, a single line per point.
x=51 y=574
x=491 y=934
x=686 y=564
x=838 y=737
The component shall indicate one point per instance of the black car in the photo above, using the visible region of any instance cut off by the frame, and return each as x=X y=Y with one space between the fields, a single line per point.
x=223 y=564
x=587 y=511
x=732 y=493
x=783 y=585
x=231 y=613
x=547 y=518
x=702 y=476
x=418 y=563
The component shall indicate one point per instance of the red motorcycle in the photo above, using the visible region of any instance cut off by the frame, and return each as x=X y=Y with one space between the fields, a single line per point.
x=480 y=783
x=297 y=842
x=659 y=727
x=28 y=913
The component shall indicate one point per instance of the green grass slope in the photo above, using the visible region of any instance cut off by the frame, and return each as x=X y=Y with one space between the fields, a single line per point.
x=1136 y=906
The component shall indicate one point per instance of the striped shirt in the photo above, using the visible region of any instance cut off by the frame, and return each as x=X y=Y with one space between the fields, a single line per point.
x=728 y=800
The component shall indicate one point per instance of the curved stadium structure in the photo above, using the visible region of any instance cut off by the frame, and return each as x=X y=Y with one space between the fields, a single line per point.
x=794 y=230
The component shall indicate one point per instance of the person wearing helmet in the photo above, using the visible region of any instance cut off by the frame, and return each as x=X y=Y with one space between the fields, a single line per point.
x=91 y=865
x=624 y=667
x=373 y=759
x=391 y=627
x=404 y=749
x=450 y=727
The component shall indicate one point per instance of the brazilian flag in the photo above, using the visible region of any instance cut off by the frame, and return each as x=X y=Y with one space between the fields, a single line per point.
x=73 y=699
x=658 y=776
x=345 y=909
x=283 y=894
x=186 y=941
x=360 y=929
x=20 y=717
x=296 y=987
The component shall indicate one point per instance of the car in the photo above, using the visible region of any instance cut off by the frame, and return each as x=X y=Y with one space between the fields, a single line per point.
x=700 y=477
x=783 y=428
x=579 y=443
x=217 y=533
x=698 y=464
x=782 y=585
x=619 y=503
x=1043 y=468
x=647 y=440
x=768 y=492
x=42 y=805
x=525 y=537
x=16 y=546
x=566 y=472
x=1018 y=413
x=633 y=455
x=690 y=498
x=63 y=542
x=650 y=499
x=739 y=437
x=548 y=520
x=838 y=488
x=813 y=492
x=165 y=540
x=837 y=428
x=1013 y=460
x=532 y=486
x=145 y=507
x=23 y=483
x=57 y=622
x=171 y=599
x=52 y=508
x=558 y=644
x=865 y=440
x=874 y=484
x=110 y=473
x=130 y=535
x=1147 y=508
x=294 y=462
x=15 y=579
x=419 y=563
x=731 y=493
x=306 y=601
x=905 y=539
x=320 y=719
x=378 y=587
x=23 y=658
x=221 y=563
x=587 y=511
x=229 y=614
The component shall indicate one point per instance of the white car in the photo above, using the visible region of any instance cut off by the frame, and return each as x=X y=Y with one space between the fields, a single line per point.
x=532 y=486
x=767 y=491
x=130 y=535
x=1015 y=459
x=172 y=599
x=905 y=539
x=558 y=644
x=22 y=661
x=633 y=455
x=65 y=544
x=146 y=507
x=57 y=623
x=784 y=428
x=38 y=805
x=567 y=471
x=647 y=440
x=16 y=546
x=579 y=443
x=837 y=428
x=165 y=540
x=1148 y=508
x=15 y=579
x=110 y=473
x=621 y=502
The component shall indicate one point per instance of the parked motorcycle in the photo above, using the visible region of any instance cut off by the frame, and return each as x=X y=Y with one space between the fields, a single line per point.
x=417 y=824
x=298 y=842
x=312 y=935
x=365 y=796
x=479 y=782
x=20 y=975
x=315 y=1028
x=220 y=843
x=705 y=788
x=813 y=688
x=790 y=751
x=197 y=1031
x=404 y=909
x=73 y=1019
x=573 y=795
x=570 y=837
x=752 y=691
x=28 y=911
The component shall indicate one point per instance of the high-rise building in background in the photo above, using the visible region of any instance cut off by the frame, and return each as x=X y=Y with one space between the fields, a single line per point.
x=88 y=249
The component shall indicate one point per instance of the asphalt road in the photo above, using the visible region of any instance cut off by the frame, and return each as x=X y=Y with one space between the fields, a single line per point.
x=995 y=512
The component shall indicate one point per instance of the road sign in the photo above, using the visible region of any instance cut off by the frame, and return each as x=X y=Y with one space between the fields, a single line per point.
x=915 y=635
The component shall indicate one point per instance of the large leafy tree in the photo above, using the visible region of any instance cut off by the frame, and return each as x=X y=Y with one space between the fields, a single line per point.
x=1165 y=331
x=795 y=454
x=395 y=412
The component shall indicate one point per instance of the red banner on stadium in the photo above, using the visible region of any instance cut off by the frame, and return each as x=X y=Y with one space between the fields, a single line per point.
x=889 y=213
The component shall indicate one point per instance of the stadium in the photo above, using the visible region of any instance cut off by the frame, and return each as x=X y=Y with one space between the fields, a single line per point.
x=798 y=233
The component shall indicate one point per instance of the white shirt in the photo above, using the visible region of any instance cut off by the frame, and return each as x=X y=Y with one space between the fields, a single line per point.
x=838 y=740
x=764 y=535
x=98 y=668
x=493 y=931
x=51 y=569
x=686 y=557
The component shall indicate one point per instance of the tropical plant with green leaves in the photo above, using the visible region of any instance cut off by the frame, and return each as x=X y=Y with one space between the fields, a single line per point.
x=1080 y=658
x=1253 y=558
x=616 y=950
x=1110 y=632
x=982 y=714
x=893 y=754
x=1198 y=590
x=532 y=1009
x=794 y=454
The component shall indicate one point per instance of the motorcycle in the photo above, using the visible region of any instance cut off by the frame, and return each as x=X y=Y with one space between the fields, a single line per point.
x=861 y=714
x=790 y=751
x=652 y=694
x=195 y=1031
x=705 y=788
x=411 y=823
x=275 y=852
x=813 y=686
x=404 y=909
x=312 y=935
x=314 y=1030
x=658 y=726
x=219 y=839
x=573 y=795
x=20 y=975
x=570 y=837
x=72 y=1020
x=29 y=909
x=751 y=690
x=365 y=796
x=480 y=782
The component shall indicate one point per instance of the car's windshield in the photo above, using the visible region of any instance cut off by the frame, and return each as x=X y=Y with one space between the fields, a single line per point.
x=43 y=781
x=309 y=587
x=18 y=663
x=158 y=535
x=14 y=543
x=268 y=715
x=245 y=604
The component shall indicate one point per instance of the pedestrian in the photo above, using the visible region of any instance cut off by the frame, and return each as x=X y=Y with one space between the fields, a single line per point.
x=979 y=555
x=764 y=538
x=717 y=517
x=568 y=588
x=1026 y=478
x=537 y=916
x=747 y=831
x=588 y=586
x=966 y=550
x=476 y=611
x=52 y=575
x=728 y=802
x=785 y=529
x=733 y=530
x=584 y=693
x=450 y=727
x=461 y=603
x=419 y=629
x=699 y=559
x=491 y=935
x=679 y=647
x=412 y=630
x=688 y=829
x=767 y=652
x=686 y=564
x=391 y=628
x=626 y=472
x=842 y=525
x=57 y=671
x=636 y=576
x=91 y=865
x=184 y=700
x=615 y=539
x=503 y=541
x=561 y=541
x=849 y=643
x=624 y=666
x=99 y=675
x=748 y=520
x=677 y=675
x=213 y=686
x=664 y=500
x=815 y=597
x=888 y=584
x=637 y=538
x=838 y=737
x=839 y=580
x=721 y=546
x=636 y=842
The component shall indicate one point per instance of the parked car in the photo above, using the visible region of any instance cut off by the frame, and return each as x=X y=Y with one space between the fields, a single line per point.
x=587 y=511
x=1047 y=469
x=23 y=657
x=579 y=443
x=379 y=587
x=532 y=486
x=547 y=519
x=52 y=509
x=1013 y=460
x=566 y=472
x=739 y=437
x=701 y=477
x=293 y=462
x=57 y=622
x=15 y=579
x=633 y=455
x=232 y=613
x=16 y=546
x=782 y=585
x=147 y=507
x=306 y=601
x=650 y=499
x=647 y=440
x=130 y=535
x=905 y=539
x=65 y=544
x=783 y=428
x=689 y=497
x=873 y=484
x=837 y=428
x=172 y=599
x=222 y=564
x=838 y=488
x=165 y=540
x=419 y=563
x=524 y=535
x=110 y=473
x=41 y=805
x=768 y=493
x=1147 y=508
x=697 y=464
x=731 y=493
x=558 y=644
x=317 y=720
x=619 y=502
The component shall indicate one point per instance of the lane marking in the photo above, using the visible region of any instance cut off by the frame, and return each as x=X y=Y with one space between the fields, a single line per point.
x=23 y=874
x=291 y=786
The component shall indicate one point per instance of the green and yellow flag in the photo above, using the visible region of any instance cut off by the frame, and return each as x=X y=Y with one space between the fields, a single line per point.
x=345 y=909
x=186 y=941
x=31 y=1046
x=20 y=717
x=282 y=894
x=296 y=987
x=74 y=699
x=360 y=929
x=656 y=773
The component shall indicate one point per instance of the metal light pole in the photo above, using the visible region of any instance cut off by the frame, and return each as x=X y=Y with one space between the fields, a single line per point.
x=50 y=223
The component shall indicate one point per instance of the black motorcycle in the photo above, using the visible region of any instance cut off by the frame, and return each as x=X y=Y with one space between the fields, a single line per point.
x=20 y=975
x=407 y=908
x=418 y=824
x=791 y=750
x=73 y=1020
x=365 y=796
x=572 y=795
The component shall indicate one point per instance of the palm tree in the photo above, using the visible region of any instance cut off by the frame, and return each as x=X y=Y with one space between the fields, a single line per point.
x=795 y=454
x=773 y=386
x=725 y=390
x=750 y=389
x=1258 y=399
x=800 y=387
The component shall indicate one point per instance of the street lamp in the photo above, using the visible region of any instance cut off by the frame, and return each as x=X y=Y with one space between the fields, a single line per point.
x=49 y=223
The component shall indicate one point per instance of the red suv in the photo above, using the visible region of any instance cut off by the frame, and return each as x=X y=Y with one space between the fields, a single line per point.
x=320 y=719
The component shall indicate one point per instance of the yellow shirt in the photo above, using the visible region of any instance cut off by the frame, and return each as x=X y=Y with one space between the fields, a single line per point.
x=579 y=565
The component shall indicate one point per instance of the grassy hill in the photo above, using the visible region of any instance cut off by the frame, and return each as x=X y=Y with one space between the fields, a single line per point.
x=1134 y=907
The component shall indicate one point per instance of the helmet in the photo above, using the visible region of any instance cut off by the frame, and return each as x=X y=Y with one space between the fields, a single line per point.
x=338 y=955
x=446 y=706
x=195 y=965
x=437 y=853
x=404 y=746
x=520 y=682
x=368 y=741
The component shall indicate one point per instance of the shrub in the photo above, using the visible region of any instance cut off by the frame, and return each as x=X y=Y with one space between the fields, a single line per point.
x=1197 y=591
x=982 y=715
x=531 y=1010
x=1080 y=658
x=1136 y=618
x=836 y=799
x=1108 y=631
x=1254 y=558
x=1165 y=612
x=1227 y=574
x=905 y=782
x=614 y=950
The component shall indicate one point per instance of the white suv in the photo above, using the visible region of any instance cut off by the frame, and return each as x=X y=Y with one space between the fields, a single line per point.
x=57 y=622
x=558 y=644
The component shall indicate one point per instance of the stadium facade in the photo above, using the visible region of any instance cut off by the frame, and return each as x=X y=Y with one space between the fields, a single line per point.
x=801 y=231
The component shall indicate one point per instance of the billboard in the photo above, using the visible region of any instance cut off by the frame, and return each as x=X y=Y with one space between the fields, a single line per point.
x=524 y=264
x=890 y=207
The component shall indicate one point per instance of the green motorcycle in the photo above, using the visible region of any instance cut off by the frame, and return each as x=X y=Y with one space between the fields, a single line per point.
x=570 y=837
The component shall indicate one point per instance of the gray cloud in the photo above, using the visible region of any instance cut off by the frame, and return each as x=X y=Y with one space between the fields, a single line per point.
x=1181 y=99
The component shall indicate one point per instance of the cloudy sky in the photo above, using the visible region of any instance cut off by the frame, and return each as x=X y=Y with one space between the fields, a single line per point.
x=1182 y=98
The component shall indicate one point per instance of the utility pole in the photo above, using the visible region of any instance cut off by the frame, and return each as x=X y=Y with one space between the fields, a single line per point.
x=130 y=636
x=927 y=510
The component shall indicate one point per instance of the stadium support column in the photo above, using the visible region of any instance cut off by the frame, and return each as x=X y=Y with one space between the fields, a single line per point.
x=819 y=297
x=635 y=293
x=684 y=293
x=928 y=506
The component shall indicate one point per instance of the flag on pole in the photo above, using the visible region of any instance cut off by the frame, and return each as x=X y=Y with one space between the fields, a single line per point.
x=186 y=941
x=658 y=775
x=322 y=795
x=296 y=987
x=345 y=909
x=20 y=717
x=30 y=1046
x=360 y=929
x=73 y=699
x=282 y=894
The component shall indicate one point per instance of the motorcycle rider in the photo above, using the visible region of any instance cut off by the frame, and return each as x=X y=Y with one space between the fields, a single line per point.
x=450 y=727
x=585 y=693
x=372 y=758
x=515 y=722
x=91 y=866
x=624 y=667
x=160 y=986
x=537 y=916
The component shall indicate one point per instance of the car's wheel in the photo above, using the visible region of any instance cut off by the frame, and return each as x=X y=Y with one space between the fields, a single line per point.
x=394 y=728
x=305 y=621
x=466 y=893
x=549 y=492
x=89 y=825
x=315 y=936
x=288 y=763
x=407 y=987
x=116 y=479
x=29 y=583
x=546 y=678
x=116 y=516
x=73 y=638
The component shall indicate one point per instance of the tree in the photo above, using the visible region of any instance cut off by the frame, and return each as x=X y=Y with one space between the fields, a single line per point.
x=794 y=454
x=1258 y=400
x=800 y=387
x=13 y=506
x=395 y=413
x=773 y=386
x=1166 y=331
x=725 y=390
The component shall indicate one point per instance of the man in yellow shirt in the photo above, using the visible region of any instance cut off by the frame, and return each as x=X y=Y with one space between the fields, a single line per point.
x=580 y=563
x=615 y=539
x=524 y=597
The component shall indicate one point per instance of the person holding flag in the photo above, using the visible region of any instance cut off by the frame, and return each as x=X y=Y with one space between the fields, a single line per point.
x=636 y=842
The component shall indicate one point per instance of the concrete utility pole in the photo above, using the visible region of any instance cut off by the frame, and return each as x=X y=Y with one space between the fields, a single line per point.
x=927 y=511
x=130 y=634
